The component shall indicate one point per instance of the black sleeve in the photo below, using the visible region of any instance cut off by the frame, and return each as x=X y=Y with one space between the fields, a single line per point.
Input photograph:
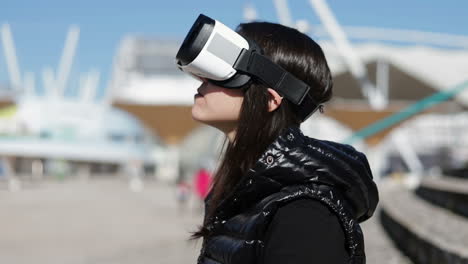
x=305 y=232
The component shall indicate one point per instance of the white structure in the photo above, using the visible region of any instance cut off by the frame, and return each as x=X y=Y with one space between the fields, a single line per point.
x=439 y=68
x=83 y=131
x=145 y=73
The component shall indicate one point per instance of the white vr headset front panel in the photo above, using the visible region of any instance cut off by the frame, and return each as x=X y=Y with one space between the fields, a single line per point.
x=217 y=57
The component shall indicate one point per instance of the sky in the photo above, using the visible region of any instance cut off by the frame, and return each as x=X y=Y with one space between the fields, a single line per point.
x=39 y=27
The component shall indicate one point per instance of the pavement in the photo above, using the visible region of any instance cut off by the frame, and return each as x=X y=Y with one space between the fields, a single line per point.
x=378 y=246
x=100 y=221
x=94 y=222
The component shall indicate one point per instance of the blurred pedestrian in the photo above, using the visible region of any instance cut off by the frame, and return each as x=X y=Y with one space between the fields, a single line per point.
x=202 y=182
x=183 y=189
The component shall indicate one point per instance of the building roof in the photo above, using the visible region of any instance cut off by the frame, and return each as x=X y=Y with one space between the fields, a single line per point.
x=436 y=68
x=415 y=71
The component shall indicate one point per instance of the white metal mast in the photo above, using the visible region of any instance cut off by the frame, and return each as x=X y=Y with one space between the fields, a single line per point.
x=282 y=10
x=10 y=56
x=48 y=81
x=66 y=60
x=250 y=14
x=356 y=66
x=29 y=84
x=88 y=86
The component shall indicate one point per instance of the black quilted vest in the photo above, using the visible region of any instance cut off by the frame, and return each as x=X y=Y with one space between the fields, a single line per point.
x=293 y=167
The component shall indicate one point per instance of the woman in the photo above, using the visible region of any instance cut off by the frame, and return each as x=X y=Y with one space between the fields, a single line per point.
x=277 y=195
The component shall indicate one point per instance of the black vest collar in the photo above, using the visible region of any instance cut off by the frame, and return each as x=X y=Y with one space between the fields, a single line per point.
x=293 y=159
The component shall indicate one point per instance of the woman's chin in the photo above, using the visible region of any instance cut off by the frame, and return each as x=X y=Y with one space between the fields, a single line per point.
x=197 y=116
x=203 y=119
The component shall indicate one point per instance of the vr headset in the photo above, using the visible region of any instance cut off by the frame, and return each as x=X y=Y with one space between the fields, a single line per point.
x=213 y=51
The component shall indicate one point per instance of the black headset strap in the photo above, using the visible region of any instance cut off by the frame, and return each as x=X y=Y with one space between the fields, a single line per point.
x=272 y=75
x=308 y=107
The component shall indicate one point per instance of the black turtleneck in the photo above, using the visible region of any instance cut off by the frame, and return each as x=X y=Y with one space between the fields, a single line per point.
x=305 y=232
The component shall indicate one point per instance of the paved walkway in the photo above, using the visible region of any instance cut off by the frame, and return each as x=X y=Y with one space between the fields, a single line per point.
x=93 y=223
x=379 y=248
x=102 y=222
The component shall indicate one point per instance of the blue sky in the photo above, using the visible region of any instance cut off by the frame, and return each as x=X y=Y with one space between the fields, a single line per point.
x=39 y=27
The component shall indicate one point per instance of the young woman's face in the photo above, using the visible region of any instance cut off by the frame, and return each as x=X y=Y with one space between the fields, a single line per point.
x=217 y=106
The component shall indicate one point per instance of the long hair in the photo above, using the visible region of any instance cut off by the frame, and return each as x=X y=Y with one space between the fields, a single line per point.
x=257 y=127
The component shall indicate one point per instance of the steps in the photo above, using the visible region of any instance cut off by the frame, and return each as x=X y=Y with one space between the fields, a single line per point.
x=459 y=173
x=447 y=192
x=425 y=232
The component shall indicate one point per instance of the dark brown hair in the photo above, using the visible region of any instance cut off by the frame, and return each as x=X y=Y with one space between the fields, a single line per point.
x=257 y=128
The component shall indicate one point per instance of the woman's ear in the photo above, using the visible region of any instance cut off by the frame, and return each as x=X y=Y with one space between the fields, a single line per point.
x=275 y=100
